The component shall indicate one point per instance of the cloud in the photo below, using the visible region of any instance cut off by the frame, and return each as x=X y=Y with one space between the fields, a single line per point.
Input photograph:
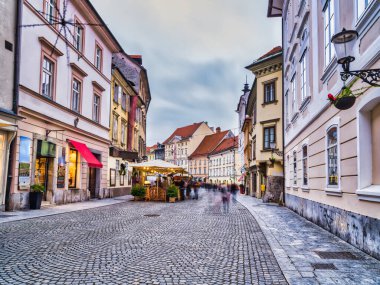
x=195 y=52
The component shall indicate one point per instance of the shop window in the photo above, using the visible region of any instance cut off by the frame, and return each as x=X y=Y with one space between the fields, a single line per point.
x=73 y=168
x=332 y=156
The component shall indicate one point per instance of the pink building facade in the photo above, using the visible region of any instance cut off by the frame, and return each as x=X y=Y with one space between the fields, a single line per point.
x=332 y=156
x=63 y=138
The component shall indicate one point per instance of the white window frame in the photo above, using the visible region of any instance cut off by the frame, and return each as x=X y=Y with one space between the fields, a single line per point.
x=47 y=76
x=293 y=88
x=50 y=11
x=305 y=158
x=96 y=110
x=286 y=111
x=329 y=31
x=333 y=189
x=76 y=95
x=303 y=74
x=295 y=174
x=79 y=32
x=364 y=4
x=98 y=57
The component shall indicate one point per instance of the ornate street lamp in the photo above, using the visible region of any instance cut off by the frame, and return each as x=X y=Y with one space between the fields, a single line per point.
x=273 y=149
x=344 y=43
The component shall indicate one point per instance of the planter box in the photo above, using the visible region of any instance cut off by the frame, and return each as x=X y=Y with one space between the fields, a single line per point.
x=35 y=199
x=171 y=199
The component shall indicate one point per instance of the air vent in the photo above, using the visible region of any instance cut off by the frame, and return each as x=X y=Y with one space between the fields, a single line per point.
x=336 y=255
x=324 y=266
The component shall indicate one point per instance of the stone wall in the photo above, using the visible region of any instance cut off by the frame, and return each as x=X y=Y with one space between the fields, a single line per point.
x=361 y=231
x=274 y=188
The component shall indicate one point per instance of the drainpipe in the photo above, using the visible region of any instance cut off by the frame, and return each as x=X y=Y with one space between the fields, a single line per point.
x=16 y=81
x=283 y=113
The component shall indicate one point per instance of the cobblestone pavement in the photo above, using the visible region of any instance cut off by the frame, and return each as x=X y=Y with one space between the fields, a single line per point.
x=190 y=242
x=296 y=243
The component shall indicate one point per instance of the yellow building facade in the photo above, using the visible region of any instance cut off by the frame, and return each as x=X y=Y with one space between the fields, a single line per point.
x=266 y=134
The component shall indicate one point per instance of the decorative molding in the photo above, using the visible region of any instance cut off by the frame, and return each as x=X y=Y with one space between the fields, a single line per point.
x=50 y=46
x=79 y=70
x=97 y=86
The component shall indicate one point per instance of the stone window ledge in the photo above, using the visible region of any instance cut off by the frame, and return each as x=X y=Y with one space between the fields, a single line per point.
x=371 y=193
x=333 y=191
x=305 y=188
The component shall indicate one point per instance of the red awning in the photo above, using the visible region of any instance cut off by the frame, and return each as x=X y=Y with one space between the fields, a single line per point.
x=86 y=154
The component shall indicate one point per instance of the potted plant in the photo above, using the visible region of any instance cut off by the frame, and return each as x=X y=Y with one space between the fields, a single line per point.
x=139 y=192
x=35 y=196
x=172 y=193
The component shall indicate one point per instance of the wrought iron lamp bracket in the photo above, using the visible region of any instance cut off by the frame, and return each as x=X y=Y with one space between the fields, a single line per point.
x=370 y=76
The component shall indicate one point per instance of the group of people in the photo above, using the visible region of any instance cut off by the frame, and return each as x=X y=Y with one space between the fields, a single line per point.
x=188 y=189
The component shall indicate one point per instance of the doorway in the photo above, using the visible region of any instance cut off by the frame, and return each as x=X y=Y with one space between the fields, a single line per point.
x=92 y=182
x=44 y=175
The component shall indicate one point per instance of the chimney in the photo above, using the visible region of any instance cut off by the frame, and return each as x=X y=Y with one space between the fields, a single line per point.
x=218 y=129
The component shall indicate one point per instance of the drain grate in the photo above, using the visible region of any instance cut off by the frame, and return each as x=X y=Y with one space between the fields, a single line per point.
x=324 y=266
x=337 y=255
x=151 y=215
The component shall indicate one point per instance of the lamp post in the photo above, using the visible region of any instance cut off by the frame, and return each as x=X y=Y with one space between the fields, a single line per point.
x=344 y=43
x=273 y=146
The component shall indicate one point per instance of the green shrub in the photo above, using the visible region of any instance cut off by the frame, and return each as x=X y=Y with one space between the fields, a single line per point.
x=37 y=188
x=172 y=191
x=138 y=191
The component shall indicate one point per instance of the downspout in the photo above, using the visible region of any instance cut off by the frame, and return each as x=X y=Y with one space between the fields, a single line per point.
x=283 y=114
x=16 y=81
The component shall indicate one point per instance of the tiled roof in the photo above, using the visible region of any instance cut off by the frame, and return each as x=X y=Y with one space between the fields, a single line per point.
x=209 y=143
x=271 y=52
x=184 y=132
x=226 y=144
x=151 y=148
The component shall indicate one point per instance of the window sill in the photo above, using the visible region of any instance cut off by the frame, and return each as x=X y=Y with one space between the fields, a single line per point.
x=371 y=193
x=305 y=103
x=305 y=188
x=269 y=103
x=333 y=191
x=295 y=187
x=294 y=118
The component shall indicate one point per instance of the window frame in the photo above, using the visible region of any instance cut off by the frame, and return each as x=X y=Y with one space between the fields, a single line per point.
x=79 y=25
x=55 y=11
x=80 y=94
x=330 y=25
x=76 y=169
x=269 y=84
x=95 y=94
x=274 y=135
x=293 y=87
x=366 y=5
x=304 y=76
x=295 y=170
x=115 y=136
x=333 y=187
x=98 y=47
x=305 y=158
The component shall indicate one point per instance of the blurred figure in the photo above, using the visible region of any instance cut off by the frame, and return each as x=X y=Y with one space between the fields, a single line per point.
x=225 y=199
x=188 y=189
x=196 y=189
x=234 y=190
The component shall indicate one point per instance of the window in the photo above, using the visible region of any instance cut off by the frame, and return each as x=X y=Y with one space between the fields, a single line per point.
x=286 y=108
x=332 y=156
x=98 y=57
x=124 y=101
x=123 y=133
x=78 y=33
x=116 y=93
x=96 y=110
x=269 y=137
x=76 y=94
x=115 y=127
x=269 y=92
x=361 y=6
x=303 y=77
x=294 y=94
x=294 y=168
x=47 y=78
x=304 y=165
x=204 y=170
x=73 y=165
x=50 y=11
x=329 y=29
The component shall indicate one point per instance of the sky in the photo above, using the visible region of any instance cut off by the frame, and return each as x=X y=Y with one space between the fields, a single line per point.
x=195 y=52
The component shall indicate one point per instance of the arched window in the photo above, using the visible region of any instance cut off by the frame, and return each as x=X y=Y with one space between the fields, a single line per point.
x=305 y=174
x=332 y=156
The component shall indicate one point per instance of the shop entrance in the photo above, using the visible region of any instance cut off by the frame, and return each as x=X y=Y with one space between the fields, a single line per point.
x=92 y=183
x=44 y=175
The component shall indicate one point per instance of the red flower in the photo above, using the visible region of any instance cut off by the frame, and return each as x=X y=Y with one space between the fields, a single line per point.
x=331 y=97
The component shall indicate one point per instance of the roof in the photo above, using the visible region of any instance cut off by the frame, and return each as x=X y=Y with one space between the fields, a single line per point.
x=226 y=144
x=151 y=148
x=269 y=55
x=208 y=144
x=184 y=132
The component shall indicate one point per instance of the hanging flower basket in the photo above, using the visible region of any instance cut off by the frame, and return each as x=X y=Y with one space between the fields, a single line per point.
x=345 y=103
x=347 y=97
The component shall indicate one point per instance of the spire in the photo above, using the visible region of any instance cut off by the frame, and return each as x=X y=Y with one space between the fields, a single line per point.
x=246 y=86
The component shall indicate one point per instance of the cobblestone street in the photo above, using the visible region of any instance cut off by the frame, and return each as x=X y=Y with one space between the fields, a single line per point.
x=190 y=242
